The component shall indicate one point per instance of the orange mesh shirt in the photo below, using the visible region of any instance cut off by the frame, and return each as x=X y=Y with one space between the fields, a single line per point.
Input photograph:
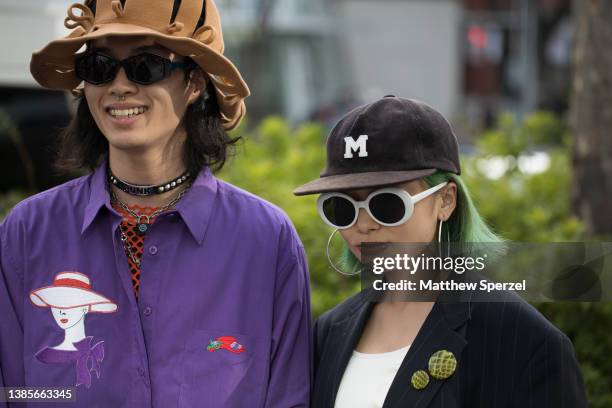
x=136 y=241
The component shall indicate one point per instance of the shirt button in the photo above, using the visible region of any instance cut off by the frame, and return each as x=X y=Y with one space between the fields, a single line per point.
x=148 y=310
x=152 y=249
x=141 y=371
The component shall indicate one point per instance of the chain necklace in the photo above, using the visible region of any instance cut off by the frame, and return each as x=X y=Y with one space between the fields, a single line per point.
x=129 y=249
x=142 y=227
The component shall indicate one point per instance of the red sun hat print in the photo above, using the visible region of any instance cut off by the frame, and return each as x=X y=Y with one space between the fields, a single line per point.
x=72 y=289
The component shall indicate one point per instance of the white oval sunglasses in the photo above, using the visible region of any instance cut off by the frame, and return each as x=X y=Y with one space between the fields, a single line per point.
x=389 y=206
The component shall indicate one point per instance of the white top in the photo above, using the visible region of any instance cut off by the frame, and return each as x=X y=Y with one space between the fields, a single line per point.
x=367 y=379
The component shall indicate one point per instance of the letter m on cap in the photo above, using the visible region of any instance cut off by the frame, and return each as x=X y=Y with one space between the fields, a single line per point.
x=351 y=145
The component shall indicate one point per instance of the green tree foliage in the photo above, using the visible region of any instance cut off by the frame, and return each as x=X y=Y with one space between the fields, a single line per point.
x=522 y=206
x=536 y=208
x=271 y=161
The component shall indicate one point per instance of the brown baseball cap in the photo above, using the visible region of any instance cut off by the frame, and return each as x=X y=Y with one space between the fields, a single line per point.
x=389 y=141
x=53 y=65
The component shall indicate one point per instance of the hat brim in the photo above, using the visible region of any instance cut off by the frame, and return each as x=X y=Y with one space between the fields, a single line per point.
x=64 y=297
x=53 y=65
x=356 y=181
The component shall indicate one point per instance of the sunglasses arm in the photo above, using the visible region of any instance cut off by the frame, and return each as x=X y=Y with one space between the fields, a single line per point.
x=418 y=197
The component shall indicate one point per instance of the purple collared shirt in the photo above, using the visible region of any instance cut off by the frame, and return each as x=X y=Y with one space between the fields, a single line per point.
x=223 y=316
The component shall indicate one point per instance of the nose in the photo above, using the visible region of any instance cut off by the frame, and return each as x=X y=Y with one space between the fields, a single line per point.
x=121 y=85
x=365 y=223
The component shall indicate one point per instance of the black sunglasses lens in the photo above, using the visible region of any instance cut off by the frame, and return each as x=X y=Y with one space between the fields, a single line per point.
x=339 y=211
x=95 y=68
x=146 y=68
x=388 y=208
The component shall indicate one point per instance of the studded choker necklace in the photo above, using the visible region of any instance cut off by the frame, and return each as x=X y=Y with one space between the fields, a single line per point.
x=141 y=190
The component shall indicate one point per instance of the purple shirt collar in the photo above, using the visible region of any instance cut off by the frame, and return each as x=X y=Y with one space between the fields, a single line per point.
x=195 y=208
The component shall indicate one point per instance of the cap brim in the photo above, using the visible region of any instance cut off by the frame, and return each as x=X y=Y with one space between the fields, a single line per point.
x=355 y=181
x=53 y=65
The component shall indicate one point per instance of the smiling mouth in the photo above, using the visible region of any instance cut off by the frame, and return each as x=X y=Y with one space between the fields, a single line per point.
x=127 y=113
x=64 y=321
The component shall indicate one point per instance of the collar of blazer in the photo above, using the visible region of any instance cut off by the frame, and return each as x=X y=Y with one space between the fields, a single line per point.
x=444 y=328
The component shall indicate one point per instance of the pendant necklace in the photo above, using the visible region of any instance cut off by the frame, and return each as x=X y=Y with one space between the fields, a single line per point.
x=143 y=221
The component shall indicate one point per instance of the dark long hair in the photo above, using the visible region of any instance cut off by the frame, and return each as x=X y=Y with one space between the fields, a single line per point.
x=82 y=146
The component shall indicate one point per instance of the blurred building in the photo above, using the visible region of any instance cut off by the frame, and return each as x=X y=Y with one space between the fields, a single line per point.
x=406 y=48
x=516 y=57
x=471 y=59
x=35 y=113
x=290 y=54
x=315 y=59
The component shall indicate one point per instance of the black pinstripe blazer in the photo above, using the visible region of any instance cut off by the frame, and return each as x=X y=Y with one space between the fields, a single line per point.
x=508 y=355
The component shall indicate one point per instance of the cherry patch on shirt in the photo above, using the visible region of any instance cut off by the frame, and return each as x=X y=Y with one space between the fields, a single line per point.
x=228 y=343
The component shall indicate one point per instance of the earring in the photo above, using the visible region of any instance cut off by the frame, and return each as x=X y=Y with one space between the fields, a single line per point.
x=440 y=240
x=329 y=260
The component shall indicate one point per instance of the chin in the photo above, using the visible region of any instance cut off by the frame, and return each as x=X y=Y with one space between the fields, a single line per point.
x=127 y=140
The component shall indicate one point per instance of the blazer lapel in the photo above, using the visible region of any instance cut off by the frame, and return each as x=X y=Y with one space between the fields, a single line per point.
x=442 y=330
x=343 y=339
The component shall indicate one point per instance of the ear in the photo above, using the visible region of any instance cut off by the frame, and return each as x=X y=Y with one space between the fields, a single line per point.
x=448 y=197
x=196 y=85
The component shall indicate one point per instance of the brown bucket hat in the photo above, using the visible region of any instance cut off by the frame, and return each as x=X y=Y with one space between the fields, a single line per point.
x=53 y=65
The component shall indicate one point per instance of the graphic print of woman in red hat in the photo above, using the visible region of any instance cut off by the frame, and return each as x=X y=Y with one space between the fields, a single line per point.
x=71 y=298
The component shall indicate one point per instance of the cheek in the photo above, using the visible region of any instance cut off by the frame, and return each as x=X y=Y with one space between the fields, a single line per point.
x=417 y=229
x=166 y=108
x=91 y=93
x=92 y=97
x=176 y=95
x=348 y=234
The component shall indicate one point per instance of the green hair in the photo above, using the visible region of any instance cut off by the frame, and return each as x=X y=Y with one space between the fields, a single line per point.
x=464 y=225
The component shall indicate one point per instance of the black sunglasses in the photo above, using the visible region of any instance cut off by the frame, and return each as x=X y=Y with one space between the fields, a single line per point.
x=144 y=69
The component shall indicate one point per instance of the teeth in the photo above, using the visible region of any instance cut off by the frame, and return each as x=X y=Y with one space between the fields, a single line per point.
x=122 y=113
